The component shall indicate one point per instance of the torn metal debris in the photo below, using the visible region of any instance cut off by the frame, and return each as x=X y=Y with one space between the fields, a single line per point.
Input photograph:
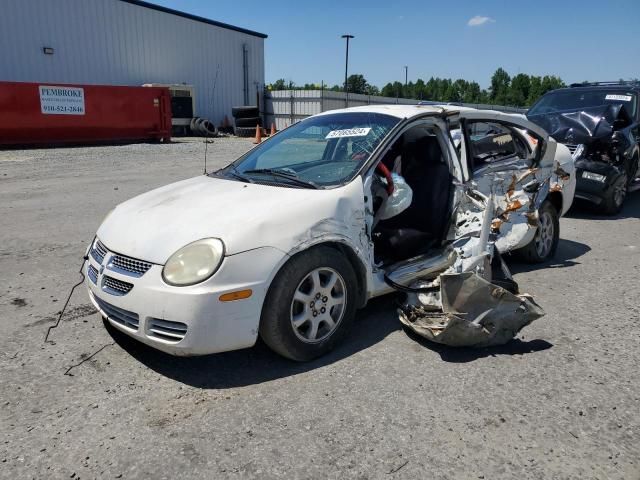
x=474 y=313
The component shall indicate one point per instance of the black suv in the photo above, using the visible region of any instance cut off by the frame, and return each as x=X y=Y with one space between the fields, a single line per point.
x=600 y=123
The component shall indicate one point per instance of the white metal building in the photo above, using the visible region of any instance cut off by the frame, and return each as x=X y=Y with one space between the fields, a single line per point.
x=130 y=42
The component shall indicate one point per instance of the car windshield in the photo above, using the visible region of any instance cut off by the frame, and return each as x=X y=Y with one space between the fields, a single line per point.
x=321 y=151
x=573 y=100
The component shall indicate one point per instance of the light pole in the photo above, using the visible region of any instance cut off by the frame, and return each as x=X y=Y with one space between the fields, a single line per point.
x=406 y=75
x=346 y=70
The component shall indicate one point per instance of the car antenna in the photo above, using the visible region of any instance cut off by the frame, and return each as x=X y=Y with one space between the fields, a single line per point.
x=206 y=136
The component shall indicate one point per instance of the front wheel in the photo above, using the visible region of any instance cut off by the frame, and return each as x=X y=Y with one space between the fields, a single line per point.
x=310 y=304
x=612 y=203
x=545 y=242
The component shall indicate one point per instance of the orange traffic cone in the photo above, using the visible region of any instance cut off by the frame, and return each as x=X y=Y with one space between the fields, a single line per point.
x=273 y=129
x=225 y=123
x=258 y=138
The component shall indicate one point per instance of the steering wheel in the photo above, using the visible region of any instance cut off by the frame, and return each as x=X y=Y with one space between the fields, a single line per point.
x=384 y=171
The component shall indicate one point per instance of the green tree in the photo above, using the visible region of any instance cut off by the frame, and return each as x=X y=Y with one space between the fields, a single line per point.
x=472 y=93
x=519 y=90
x=279 y=84
x=500 y=87
x=394 y=89
x=551 y=82
x=372 y=90
x=419 y=89
x=387 y=90
x=357 y=83
x=535 y=89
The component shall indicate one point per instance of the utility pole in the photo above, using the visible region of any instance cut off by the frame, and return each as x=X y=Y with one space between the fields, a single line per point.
x=346 y=71
x=406 y=75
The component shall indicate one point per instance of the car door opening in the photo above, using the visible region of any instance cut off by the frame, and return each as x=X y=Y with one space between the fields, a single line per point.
x=417 y=156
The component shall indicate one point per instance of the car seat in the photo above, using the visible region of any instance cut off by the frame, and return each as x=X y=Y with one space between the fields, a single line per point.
x=421 y=226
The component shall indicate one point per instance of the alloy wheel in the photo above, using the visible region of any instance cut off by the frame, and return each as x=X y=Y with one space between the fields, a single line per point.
x=620 y=191
x=318 y=305
x=544 y=234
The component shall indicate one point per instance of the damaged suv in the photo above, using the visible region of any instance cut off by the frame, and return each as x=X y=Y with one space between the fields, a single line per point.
x=288 y=241
x=600 y=123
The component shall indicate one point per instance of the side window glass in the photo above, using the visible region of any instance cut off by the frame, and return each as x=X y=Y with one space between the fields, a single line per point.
x=493 y=142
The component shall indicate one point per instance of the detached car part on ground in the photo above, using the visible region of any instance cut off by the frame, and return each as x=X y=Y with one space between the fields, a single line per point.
x=291 y=239
x=600 y=123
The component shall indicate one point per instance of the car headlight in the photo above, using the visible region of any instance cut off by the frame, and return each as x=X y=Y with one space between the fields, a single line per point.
x=593 y=176
x=577 y=153
x=194 y=263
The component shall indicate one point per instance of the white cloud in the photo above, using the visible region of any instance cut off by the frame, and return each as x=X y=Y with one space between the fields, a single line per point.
x=479 y=20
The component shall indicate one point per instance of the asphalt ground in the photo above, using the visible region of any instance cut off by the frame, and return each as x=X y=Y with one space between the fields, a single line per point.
x=561 y=402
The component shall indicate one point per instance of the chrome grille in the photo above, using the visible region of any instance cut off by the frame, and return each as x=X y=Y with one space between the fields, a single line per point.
x=98 y=251
x=130 y=265
x=93 y=274
x=115 y=287
x=166 y=330
x=119 y=263
x=118 y=315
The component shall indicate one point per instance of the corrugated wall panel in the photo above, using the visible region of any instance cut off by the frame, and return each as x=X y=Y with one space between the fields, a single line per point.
x=113 y=42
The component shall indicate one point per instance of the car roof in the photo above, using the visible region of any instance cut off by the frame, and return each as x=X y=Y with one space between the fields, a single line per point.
x=404 y=111
x=582 y=88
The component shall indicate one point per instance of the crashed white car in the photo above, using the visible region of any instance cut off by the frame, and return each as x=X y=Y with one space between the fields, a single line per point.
x=288 y=241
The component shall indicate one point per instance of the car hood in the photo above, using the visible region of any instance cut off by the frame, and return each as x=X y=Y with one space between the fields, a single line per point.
x=583 y=126
x=154 y=225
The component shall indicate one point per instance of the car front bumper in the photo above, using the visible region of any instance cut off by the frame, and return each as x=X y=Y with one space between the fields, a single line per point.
x=592 y=190
x=189 y=320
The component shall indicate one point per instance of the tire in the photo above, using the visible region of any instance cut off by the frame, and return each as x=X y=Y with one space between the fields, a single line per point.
x=545 y=242
x=245 y=132
x=248 y=122
x=612 y=203
x=635 y=169
x=244 y=112
x=299 y=309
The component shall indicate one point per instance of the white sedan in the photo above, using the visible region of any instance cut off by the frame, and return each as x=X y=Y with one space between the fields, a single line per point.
x=288 y=241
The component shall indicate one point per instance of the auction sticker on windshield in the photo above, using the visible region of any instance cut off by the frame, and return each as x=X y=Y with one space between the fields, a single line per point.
x=349 y=132
x=621 y=98
x=61 y=100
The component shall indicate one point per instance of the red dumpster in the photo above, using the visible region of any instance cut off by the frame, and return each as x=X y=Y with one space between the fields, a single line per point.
x=55 y=113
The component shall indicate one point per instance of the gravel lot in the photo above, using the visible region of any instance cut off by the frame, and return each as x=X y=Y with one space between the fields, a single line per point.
x=561 y=402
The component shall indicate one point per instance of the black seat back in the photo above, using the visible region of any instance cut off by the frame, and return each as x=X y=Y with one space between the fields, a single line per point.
x=428 y=176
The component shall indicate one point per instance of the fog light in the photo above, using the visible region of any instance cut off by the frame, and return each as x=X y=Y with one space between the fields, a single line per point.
x=596 y=177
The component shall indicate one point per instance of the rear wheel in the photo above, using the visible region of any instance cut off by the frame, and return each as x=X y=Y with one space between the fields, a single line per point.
x=612 y=203
x=545 y=242
x=310 y=305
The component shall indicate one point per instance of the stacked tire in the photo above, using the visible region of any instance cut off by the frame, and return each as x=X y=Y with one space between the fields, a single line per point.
x=246 y=119
x=202 y=127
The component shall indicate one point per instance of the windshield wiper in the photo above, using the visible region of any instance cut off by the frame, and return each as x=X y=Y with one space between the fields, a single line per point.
x=284 y=174
x=236 y=173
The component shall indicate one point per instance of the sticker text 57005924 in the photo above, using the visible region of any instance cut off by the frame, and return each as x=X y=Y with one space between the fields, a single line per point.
x=349 y=132
x=61 y=100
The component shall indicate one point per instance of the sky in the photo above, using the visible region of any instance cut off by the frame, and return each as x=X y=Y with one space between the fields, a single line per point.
x=575 y=39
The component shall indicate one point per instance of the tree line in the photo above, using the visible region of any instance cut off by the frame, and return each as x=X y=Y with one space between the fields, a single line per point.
x=522 y=90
